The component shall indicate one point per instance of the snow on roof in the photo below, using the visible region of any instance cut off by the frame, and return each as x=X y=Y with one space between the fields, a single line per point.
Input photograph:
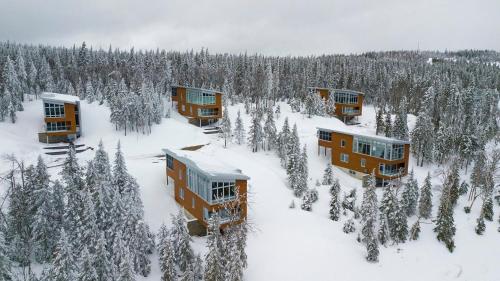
x=337 y=90
x=350 y=131
x=206 y=164
x=199 y=89
x=60 y=97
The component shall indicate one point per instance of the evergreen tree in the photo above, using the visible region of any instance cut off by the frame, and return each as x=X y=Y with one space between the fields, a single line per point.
x=422 y=138
x=330 y=105
x=425 y=201
x=87 y=271
x=270 y=132
x=379 y=121
x=239 y=130
x=214 y=268
x=369 y=217
x=454 y=181
x=415 y=230
x=335 y=201
x=302 y=185
x=63 y=266
x=480 y=227
x=372 y=249
x=102 y=261
x=255 y=134
x=487 y=207
x=5 y=263
x=400 y=129
x=445 y=227
x=293 y=167
x=283 y=143
x=410 y=194
x=328 y=175
x=167 y=260
x=181 y=242
x=225 y=127
x=388 y=125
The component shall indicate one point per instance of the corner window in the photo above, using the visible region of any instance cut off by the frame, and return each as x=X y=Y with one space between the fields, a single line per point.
x=170 y=162
x=326 y=136
x=344 y=157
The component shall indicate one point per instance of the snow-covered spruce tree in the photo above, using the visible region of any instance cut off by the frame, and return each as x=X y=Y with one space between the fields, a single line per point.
x=87 y=229
x=283 y=142
x=233 y=263
x=302 y=185
x=445 y=226
x=383 y=231
x=255 y=133
x=167 y=256
x=328 y=175
x=349 y=201
x=198 y=268
x=335 y=201
x=379 y=121
x=5 y=262
x=239 y=130
x=487 y=207
x=415 y=230
x=399 y=229
x=477 y=175
x=388 y=125
x=181 y=241
x=270 y=132
x=63 y=266
x=400 y=128
x=422 y=138
x=425 y=201
x=126 y=268
x=314 y=105
x=214 y=267
x=306 y=204
x=293 y=167
x=372 y=249
x=46 y=222
x=409 y=197
x=480 y=227
x=86 y=271
x=225 y=127
x=369 y=211
x=103 y=262
x=135 y=232
x=330 y=105
x=464 y=188
x=20 y=215
x=454 y=180
x=393 y=215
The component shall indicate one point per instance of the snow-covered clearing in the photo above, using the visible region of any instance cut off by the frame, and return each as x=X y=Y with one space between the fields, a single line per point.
x=286 y=244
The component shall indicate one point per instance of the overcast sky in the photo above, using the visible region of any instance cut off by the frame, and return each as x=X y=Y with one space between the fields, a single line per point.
x=263 y=26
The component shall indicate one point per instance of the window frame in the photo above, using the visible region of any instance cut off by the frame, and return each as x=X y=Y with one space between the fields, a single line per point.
x=344 y=157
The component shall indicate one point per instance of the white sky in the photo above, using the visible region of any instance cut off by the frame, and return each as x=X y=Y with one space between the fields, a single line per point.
x=271 y=27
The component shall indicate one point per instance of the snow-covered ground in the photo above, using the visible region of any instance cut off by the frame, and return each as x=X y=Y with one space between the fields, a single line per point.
x=286 y=244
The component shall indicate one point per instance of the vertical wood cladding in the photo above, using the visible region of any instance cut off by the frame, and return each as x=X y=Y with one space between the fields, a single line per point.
x=355 y=160
x=190 y=110
x=179 y=175
x=68 y=118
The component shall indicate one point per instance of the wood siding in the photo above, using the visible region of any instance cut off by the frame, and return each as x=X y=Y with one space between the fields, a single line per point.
x=190 y=110
x=354 y=162
x=69 y=118
x=179 y=175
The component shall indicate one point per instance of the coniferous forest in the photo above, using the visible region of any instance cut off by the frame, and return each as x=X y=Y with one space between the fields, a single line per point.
x=87 y=223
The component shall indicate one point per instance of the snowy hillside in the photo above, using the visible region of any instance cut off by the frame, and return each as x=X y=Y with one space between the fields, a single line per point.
x=286 y=244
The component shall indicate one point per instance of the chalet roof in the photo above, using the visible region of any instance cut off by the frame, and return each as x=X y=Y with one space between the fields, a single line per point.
x=206 y=164
x=55 y=97
x=351 y=132
x=199 y=89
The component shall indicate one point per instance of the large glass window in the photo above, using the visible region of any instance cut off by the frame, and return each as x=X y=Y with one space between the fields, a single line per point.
x=198 y=183
x=207 y=111
x=57 y=126
x=170 y=162
x=346 y=97
x=326 y=136
x=222 y=191
x=378 y=149
x=197 y=96
x=54 y=110
x=397 y=151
